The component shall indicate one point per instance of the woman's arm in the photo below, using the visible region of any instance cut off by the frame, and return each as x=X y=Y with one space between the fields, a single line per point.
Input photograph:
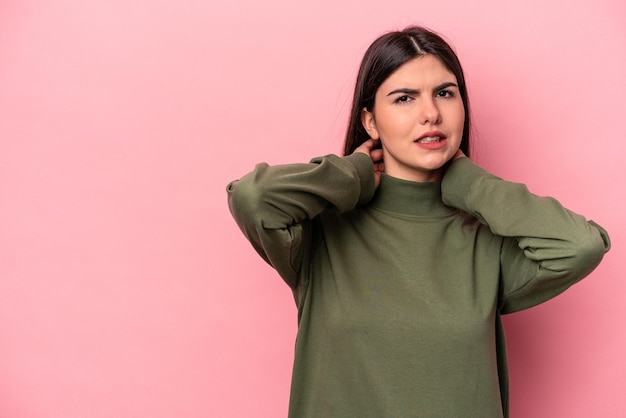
x=273 y=205
x=546 y=247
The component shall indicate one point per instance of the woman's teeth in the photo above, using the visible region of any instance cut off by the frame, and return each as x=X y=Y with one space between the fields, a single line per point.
x=430 y=139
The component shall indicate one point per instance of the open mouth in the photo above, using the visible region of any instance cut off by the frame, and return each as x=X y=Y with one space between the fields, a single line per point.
x=430 y=139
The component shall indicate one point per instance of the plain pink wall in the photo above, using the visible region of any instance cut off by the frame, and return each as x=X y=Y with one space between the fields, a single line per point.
x=126 y=290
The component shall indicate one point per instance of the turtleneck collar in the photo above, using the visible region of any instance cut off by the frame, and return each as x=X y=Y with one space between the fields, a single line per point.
x=410 y=198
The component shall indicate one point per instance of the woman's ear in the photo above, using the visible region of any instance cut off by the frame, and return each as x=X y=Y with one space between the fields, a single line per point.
x=367 y=119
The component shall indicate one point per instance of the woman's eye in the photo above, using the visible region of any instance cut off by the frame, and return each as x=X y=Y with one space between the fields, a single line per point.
x=445 y=93
x=403 y=99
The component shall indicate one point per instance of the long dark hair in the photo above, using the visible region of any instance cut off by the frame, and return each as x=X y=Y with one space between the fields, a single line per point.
x=384 y=56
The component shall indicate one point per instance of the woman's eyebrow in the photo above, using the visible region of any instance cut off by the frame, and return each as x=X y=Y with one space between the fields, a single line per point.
x=406 y=90
x=445 y=86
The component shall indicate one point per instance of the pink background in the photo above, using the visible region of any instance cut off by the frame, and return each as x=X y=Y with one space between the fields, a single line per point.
x=126 y=289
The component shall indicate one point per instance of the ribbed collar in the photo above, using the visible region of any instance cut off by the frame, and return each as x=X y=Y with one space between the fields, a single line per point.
x=410 y=198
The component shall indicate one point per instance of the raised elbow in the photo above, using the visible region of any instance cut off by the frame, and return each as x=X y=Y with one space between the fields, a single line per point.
x=588 y=252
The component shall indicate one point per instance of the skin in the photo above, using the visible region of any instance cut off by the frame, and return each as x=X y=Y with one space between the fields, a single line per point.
x=419 y=97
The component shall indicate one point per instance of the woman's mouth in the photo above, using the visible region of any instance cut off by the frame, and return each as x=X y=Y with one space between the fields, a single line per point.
x=430 y=139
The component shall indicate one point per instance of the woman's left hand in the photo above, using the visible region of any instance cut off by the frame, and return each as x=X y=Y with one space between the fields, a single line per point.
x=459 y=154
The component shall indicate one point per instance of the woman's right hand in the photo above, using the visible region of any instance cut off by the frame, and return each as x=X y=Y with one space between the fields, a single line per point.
x=368 y=148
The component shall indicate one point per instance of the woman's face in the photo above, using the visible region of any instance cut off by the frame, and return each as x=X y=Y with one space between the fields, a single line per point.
x=418 y=116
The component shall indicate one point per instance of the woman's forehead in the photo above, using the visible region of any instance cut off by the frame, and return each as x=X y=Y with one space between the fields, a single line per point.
x=420 y=72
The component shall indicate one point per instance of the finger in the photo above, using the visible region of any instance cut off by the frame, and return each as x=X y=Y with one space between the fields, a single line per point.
x=459 y=154
x=366 y=147
x=369 y=144
x=376 y=155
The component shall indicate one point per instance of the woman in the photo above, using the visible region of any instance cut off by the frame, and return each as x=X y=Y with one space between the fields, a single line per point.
x=402 y=255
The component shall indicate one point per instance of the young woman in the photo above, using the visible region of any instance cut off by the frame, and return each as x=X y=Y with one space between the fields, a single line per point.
x=403 y=254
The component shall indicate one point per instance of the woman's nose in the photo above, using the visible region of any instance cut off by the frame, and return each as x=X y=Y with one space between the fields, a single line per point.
x=429 y=113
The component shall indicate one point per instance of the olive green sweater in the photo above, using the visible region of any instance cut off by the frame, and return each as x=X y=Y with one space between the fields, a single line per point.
x=400 y=289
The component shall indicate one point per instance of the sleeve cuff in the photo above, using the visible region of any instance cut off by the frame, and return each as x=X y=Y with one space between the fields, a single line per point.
x=364 y=167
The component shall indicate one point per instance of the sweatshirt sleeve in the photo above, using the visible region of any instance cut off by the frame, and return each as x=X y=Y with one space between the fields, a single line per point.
x=546 y=248
x=274 y=205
